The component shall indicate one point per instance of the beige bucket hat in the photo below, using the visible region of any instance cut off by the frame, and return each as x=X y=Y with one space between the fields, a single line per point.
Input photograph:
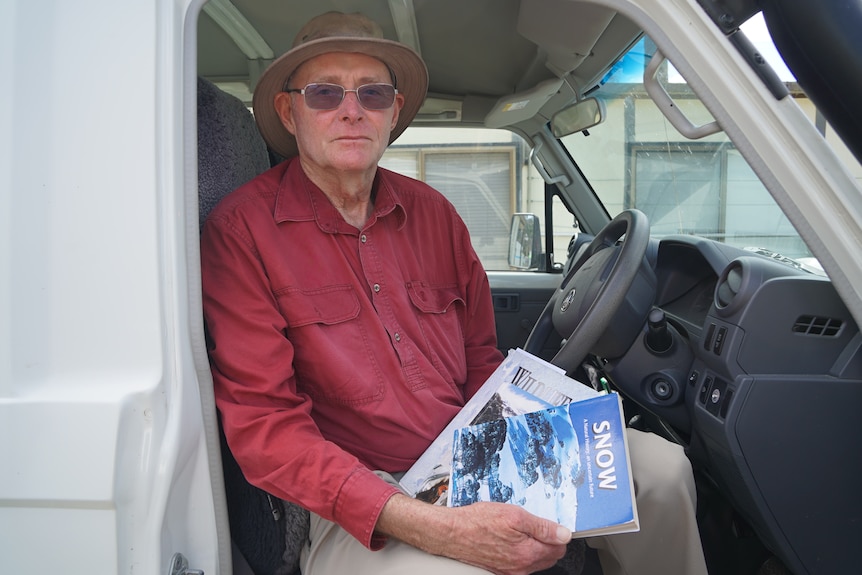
x=338 y=32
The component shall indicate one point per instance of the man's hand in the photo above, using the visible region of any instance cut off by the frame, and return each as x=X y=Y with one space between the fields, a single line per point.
x=501 y=538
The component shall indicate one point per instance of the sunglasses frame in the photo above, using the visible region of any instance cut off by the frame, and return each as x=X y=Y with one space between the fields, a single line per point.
x=344 y=92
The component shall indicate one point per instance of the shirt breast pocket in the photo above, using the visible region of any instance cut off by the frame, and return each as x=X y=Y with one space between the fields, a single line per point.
x=441 y=310
x=340 y=370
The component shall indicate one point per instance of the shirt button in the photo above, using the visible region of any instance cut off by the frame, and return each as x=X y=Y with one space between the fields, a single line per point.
x=363 y=239
x=377 y=287
x=397 y=336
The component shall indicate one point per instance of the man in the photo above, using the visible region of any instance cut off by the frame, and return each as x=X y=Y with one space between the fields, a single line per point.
x=350 y=319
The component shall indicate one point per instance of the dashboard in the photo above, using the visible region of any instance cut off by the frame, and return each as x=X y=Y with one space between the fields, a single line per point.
x=761 y=384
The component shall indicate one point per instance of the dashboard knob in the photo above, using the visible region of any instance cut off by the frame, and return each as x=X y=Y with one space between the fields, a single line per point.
x=658 y=339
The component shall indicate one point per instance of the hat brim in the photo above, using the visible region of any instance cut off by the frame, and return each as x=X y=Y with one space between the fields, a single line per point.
x=411 y=77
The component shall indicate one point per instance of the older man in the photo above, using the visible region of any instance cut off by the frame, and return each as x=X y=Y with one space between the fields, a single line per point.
x=350 y=319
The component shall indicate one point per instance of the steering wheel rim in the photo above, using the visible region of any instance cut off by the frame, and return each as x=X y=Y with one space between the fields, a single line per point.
x=593 y=290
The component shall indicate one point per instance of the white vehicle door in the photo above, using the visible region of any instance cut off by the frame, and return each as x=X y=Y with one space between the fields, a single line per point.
x=104 y=464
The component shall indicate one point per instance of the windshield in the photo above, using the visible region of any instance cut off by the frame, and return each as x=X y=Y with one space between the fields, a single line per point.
x=704 y=187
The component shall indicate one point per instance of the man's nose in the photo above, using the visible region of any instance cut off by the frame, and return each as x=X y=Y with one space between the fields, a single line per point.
x=350 y=102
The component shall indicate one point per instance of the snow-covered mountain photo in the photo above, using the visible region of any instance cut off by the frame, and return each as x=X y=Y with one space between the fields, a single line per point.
x=566 y=463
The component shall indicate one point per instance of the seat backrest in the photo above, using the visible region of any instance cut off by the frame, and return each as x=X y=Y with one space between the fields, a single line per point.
x=267 y=532
x=230 y=149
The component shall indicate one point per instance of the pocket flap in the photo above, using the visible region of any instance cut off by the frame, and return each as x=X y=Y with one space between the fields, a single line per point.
x=433 y=299
x=329 y=305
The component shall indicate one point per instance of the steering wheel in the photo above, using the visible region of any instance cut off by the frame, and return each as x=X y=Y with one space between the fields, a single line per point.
x=593 y=290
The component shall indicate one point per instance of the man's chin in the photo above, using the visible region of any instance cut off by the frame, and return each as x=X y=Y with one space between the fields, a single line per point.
x=356 y=155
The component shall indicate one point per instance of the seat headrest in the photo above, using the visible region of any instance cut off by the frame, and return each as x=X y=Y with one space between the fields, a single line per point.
x=230 y=149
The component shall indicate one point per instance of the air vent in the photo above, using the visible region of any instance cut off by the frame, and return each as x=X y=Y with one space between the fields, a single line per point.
x=816 y=325
x=729 y=286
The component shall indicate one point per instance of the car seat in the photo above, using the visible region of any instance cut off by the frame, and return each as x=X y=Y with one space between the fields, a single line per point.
x=267 y=533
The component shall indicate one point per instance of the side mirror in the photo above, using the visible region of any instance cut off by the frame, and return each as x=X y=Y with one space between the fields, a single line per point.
x=525 y=242
x=578 y=117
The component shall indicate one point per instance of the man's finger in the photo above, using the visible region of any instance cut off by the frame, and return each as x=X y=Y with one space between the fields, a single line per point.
x=550 y=532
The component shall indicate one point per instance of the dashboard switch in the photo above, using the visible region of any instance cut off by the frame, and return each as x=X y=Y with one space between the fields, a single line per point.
x=707 y=341
x=719 y=340
x=704 y=389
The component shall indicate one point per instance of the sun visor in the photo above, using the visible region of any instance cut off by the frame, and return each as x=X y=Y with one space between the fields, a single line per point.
x=566 y=31
x=523 y=105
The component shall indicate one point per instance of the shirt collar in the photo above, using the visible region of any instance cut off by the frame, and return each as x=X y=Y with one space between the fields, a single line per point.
x=298 y=199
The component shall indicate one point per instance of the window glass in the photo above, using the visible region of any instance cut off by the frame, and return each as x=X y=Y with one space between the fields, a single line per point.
x=484 y=173
x=636 y=159
x=480 y=183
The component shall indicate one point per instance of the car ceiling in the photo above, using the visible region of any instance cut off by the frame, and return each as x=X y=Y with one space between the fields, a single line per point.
x=480 y=54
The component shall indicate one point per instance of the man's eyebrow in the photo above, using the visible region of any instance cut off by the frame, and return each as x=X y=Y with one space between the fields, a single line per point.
x=360 y=81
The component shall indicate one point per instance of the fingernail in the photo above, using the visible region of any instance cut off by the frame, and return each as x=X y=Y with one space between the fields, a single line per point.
x=564 y=535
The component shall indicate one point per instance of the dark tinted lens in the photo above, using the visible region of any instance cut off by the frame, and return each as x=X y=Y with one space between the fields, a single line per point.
x=323 y=96
x=376 y=96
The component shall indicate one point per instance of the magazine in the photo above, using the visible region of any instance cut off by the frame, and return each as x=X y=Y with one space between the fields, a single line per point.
x=567 y=463
x=522 y=383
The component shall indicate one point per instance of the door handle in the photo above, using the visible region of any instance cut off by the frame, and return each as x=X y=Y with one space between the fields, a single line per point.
x=506 y=302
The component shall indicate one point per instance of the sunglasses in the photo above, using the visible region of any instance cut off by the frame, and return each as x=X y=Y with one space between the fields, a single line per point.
x=330 y=96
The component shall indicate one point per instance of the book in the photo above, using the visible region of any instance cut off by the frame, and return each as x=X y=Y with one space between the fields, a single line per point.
x=522 y=383
x=567 y=463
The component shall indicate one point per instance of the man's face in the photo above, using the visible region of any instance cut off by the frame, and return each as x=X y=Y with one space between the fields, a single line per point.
x=348 y=138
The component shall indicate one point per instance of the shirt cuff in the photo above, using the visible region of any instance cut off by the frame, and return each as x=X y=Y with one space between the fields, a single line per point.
x=359 y=505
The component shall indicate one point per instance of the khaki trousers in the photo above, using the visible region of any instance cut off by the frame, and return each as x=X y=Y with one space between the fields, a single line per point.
x=667 y=544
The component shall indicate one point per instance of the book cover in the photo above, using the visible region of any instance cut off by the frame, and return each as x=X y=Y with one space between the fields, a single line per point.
x=567 y=463
x=521 y=383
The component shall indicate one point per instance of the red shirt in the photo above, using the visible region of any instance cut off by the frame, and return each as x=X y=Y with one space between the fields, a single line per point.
x=337 y=351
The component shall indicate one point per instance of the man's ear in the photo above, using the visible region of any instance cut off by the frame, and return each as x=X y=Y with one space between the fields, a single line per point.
x=396 y=110
x=284 y=108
